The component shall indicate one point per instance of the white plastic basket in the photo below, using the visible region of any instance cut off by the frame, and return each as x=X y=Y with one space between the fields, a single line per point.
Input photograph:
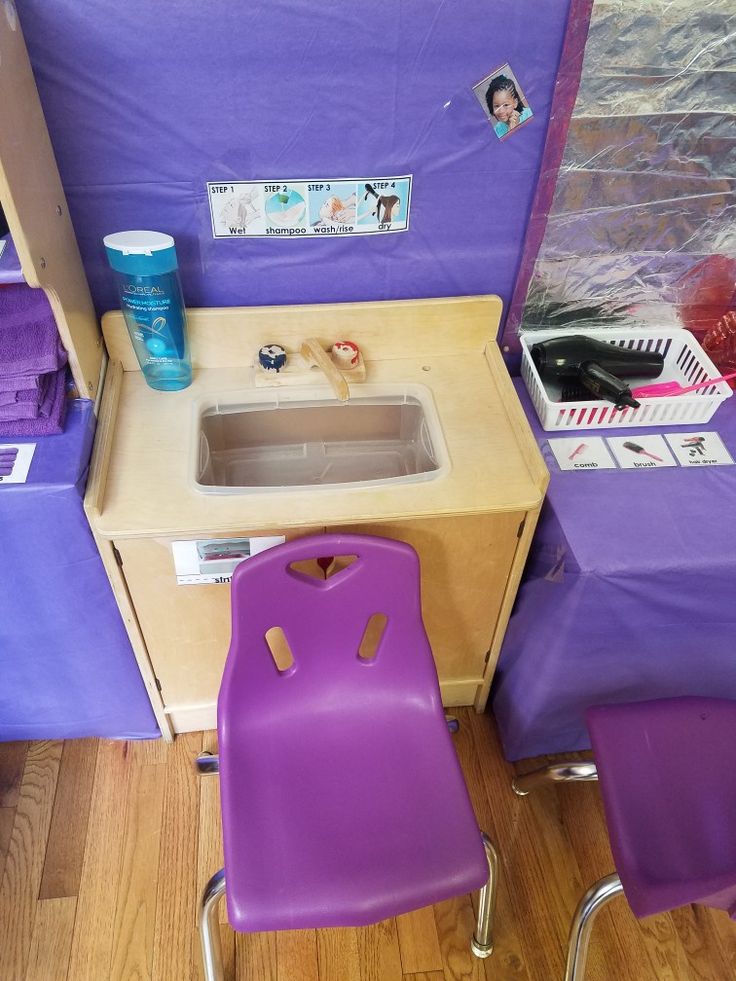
x=684 y=361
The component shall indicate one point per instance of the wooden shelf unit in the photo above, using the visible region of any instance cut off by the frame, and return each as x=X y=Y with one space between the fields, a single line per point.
x=35 y=208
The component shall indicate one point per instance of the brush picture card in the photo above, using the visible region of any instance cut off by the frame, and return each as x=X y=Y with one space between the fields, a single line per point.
x=305 y=209
x=582 y=453
x=699 y=449
x=641 y=452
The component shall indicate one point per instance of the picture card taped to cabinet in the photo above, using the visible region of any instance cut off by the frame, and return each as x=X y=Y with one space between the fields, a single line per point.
x=213 y=560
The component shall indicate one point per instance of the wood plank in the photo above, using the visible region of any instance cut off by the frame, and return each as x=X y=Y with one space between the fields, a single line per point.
x=95 y=921
x=135 y=915
x=52 y=940
x=223 y=337
x=617 y=938
x=418 y=942
x=378 y=949
x=255 y=957
x=507 y=962
x=700 y=943
x=338 y=955
x=7 y=817
x=12 y=761
x=455 y=921
x=24 y=860
x=175 y=941
x=296 y=955
x=65 y=850
x=210 y=858
x=537 y=890
x=35 y=206
x=538 y=865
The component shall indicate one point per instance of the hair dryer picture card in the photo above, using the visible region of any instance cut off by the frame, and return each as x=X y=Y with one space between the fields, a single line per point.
x=699 y=449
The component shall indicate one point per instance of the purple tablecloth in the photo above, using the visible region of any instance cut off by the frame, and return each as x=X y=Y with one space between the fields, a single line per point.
x=628 y=594
x=147 y=103
x=66 y=665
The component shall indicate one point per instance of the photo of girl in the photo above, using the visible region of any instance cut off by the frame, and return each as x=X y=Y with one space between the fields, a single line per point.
x=503 y=101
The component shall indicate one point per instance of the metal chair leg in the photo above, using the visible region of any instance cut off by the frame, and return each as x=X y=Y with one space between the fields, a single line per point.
x=556 y=773
x=482 y=942
x=582 y=923
x=209 y=927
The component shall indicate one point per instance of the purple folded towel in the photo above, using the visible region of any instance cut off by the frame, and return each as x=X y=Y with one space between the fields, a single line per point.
x=29 y=342
x=54 y=407
x=13 y=383
x=26 y=406
x=8 y=398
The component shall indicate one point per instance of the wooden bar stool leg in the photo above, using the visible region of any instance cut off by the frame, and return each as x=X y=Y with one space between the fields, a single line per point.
x=582 y=923
x=482 y=942
x=209 y=927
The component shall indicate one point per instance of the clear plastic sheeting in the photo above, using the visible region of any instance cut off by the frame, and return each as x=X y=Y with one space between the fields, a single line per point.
x=642 y=222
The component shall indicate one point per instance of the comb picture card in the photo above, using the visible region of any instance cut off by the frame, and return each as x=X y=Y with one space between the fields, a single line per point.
x=582 y=453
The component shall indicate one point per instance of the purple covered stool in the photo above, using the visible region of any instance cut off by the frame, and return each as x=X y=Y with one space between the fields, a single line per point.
x=667 y=771
x=343 y=802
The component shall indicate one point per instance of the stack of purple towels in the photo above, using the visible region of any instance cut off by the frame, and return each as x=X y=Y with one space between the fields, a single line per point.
x=32 y=365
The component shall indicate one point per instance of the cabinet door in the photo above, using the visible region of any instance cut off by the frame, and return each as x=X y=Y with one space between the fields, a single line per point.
x=186 y=628
x=465 y=563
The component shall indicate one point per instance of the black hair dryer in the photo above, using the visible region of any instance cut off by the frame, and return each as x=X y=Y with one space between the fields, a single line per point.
x=598 y=366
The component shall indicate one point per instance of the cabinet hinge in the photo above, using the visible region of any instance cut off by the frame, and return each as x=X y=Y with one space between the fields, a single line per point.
x=158 y=683
x=521 y=528
x=118 y=556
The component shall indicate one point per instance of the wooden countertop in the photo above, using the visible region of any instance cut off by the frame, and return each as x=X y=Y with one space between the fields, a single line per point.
x=141 y=483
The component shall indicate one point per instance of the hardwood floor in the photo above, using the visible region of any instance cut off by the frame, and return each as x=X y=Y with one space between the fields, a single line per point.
x=105 y=846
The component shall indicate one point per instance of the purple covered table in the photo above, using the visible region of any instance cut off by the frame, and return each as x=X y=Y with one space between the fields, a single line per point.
x=66 y=665
x=628 y=594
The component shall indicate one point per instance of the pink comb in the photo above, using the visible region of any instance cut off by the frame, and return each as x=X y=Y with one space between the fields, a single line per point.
x=675 y=388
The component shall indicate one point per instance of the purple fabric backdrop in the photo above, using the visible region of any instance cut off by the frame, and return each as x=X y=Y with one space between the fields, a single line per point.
x=628 y=594
x=66 y=665
x=146 y=102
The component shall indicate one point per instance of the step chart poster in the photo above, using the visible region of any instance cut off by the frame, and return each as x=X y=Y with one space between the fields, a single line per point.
x=303 y=209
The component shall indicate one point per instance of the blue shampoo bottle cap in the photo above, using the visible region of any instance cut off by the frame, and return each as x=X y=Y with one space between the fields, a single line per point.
x=141 y=253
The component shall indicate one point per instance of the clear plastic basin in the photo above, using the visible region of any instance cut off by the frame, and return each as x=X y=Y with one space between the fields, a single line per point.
x=264 y=440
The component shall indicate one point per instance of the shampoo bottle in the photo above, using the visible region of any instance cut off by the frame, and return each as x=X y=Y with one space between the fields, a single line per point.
x=147 y=276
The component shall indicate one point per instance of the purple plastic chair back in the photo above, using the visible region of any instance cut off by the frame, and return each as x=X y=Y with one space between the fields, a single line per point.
x=343 y=802
x=667 y=772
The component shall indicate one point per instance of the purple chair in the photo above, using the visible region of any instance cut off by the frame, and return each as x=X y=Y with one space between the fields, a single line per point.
x=667 y=770
x=343 y=802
